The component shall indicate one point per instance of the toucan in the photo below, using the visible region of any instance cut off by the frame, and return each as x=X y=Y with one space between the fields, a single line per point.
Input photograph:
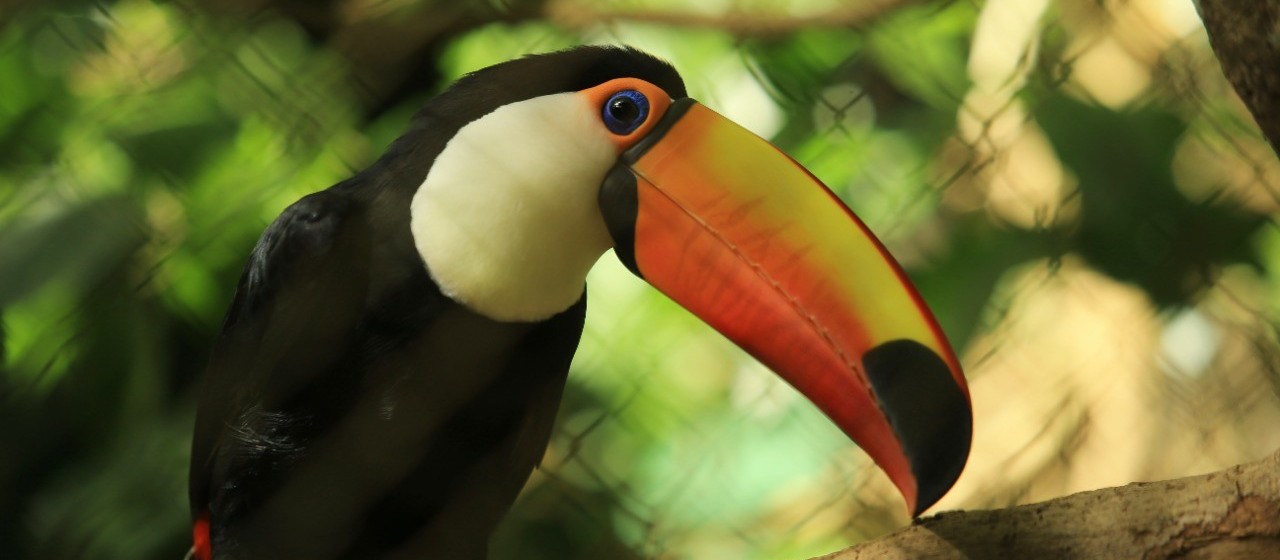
x=388 y=373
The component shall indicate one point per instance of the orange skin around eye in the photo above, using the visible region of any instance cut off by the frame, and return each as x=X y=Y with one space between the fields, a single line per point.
x=659 y=101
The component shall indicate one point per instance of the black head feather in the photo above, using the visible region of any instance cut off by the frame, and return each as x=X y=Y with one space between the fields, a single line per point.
x=484 y=91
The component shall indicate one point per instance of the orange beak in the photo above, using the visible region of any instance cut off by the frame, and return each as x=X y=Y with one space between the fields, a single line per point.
x=741 y=235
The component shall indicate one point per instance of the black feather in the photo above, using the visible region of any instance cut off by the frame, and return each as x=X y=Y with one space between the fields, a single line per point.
x=351 y=410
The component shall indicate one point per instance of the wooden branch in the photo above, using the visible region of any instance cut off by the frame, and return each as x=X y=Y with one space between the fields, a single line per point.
x=1245 y=35
x=1231 y=514
x=576 y=14
x=393 y=54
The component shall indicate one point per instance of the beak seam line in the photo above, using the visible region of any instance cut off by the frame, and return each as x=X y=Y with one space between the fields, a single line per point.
x=813 y=322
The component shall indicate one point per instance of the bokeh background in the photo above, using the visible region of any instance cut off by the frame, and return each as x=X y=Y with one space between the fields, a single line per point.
x=1073 y=186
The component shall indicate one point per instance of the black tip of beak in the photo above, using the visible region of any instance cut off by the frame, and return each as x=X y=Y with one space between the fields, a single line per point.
x=927 y=410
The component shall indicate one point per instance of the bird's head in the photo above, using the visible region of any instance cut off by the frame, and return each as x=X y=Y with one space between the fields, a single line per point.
x=542 y=164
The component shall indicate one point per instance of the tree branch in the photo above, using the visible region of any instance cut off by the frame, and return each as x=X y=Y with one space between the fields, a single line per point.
x=576 y=14
x=393 y=55
x=1245 y=35
x=1232 y=514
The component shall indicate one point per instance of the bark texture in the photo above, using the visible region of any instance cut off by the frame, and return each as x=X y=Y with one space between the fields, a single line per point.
x=1231 y=514
x=1245 y=35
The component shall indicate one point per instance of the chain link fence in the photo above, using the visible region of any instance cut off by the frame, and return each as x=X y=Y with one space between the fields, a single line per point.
x=1073 y=186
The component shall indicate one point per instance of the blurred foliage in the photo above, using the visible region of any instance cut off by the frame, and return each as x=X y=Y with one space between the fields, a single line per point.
x=1075 y=190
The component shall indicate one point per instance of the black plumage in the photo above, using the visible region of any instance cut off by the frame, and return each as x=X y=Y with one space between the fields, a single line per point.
x=350 y=409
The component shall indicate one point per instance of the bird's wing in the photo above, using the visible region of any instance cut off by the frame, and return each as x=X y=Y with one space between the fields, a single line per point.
x=298 y=302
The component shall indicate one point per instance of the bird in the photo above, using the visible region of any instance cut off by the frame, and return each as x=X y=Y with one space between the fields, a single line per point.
x=388 y=373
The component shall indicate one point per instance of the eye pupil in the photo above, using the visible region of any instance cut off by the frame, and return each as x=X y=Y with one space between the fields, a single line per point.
x=625 y=111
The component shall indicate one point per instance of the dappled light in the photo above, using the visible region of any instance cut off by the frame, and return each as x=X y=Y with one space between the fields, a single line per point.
x=1074 y=188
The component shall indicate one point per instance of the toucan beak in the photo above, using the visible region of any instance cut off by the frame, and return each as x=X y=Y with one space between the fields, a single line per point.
x=744 y=237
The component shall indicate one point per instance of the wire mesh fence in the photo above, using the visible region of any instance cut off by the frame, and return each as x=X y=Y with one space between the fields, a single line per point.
x=1072 y=185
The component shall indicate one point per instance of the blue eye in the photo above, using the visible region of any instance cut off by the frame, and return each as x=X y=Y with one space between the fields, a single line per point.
x=625 y=111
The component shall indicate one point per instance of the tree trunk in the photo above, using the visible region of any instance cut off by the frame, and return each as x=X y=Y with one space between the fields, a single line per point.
x=1245 y=35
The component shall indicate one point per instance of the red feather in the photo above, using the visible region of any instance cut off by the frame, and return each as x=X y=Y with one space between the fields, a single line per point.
x=203 y=549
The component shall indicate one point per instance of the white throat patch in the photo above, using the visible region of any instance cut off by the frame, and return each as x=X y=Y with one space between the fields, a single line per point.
x=507 y=219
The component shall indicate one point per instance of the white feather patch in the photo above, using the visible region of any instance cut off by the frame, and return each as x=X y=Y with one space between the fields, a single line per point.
x=507 y=220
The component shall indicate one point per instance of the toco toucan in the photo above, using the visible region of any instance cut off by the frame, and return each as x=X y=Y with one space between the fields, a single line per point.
x=388 y=373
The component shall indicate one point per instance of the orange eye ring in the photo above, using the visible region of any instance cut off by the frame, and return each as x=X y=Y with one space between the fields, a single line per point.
x=598 y=98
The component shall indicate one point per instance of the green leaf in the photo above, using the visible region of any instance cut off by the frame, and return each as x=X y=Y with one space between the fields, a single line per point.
x=78 y=245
